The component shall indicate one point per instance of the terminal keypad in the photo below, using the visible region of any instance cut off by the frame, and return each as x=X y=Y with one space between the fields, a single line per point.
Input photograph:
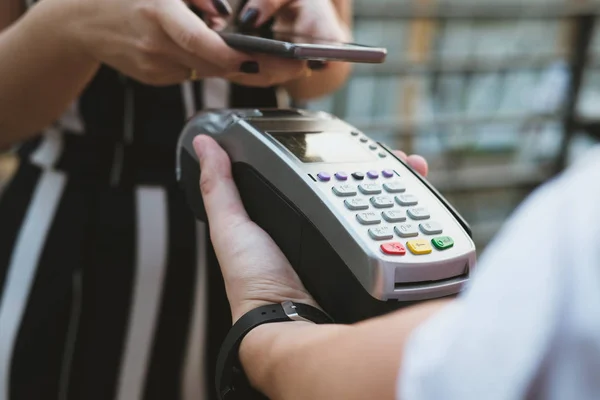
x=394 y=217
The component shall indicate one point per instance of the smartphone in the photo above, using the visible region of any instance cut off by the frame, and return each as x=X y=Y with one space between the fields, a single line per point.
x=303 y=47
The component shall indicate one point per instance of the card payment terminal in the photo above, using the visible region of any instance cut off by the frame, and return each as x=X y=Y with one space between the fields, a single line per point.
x=365 y=233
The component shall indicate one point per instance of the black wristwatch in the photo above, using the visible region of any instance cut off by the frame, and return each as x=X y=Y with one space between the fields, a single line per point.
x=231 y=382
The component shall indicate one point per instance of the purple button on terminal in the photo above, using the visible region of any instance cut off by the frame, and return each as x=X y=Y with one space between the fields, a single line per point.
x=324 y=176
x=388 y=173
x=341 y=176
x=372 y=174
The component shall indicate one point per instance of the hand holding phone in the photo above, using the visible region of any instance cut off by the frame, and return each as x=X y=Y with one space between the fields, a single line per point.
x=304 y=48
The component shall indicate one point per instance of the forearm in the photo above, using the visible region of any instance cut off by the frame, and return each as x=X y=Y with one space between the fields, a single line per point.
x=297 y=360
x=41 y=71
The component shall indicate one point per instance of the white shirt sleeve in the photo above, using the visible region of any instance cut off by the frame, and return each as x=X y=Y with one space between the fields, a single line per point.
x=529 y=324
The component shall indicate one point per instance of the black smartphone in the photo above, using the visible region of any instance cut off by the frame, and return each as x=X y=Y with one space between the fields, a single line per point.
x=303 y=48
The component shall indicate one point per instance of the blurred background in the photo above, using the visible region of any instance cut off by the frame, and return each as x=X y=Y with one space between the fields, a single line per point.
x=499 y=95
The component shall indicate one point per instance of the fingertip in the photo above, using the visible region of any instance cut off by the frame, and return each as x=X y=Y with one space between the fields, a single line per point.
x=217 y=24
x=211 y=155
x=199 y=144
x=248 y=17
x=258 y=12
x=401 y=155
x=222 y=7
x=419 y=164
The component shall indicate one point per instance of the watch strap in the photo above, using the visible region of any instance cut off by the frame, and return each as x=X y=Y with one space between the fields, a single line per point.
x=304 y=312
x=230 y=379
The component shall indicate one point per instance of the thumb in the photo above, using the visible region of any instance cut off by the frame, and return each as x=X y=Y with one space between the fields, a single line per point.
x=419 y=164
x=222 y=200
x=191 y=34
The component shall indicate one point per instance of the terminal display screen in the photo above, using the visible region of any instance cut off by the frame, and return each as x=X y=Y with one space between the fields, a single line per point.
x=325 y=147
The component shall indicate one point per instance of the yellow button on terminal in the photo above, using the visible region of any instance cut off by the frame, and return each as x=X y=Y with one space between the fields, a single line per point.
x=419 y=247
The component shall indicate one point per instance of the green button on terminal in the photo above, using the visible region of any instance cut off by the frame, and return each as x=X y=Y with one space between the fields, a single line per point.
x=442 y=242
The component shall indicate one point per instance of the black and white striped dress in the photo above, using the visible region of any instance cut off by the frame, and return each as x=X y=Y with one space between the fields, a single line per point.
x=102 y=276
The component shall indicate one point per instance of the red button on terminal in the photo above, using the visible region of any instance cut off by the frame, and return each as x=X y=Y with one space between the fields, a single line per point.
x=394 y=249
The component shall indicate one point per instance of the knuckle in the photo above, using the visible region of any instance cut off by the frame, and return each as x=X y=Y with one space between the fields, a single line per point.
x=266 y=84
x=148 y=46
x=236 y=220
x=207 y=183
x=229 y=61
x=148 y=70
x=147 y=9
x=261 y=83
x=151 y=73
x=187 y=39
x=271 y=80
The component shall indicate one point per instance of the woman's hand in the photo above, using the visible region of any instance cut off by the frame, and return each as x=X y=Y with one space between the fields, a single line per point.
x=328 y=20
x=254 y=269
x=161 y=42
x=305 y=18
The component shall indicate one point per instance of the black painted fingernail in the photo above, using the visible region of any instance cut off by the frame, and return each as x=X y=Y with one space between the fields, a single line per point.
x=249 y=67
x=316 y=65
x=249 y=18
x=222 y=7
x=196 y=10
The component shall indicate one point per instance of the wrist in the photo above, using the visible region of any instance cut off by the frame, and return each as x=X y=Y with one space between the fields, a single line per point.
x=270 y=351
x=275 y=296
x=231 y=380
x=261 y=353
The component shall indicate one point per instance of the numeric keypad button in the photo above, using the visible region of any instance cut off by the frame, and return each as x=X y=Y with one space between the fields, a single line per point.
x=381 y=233
x=373 y=174
x=431 y=228
x=442 y=242
x=368 y=218
x=419 y=247
x=394 y=216
x=359 y=176
x=393 y=249
x=418 y=213
x=406 y=230
x=345 y=190
x=356 y=203
x=324 y=176
x=382 y=202
x=394 y=187
x=369 y=188
x=407 y=200
x=341 y=176
x=387 y=173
